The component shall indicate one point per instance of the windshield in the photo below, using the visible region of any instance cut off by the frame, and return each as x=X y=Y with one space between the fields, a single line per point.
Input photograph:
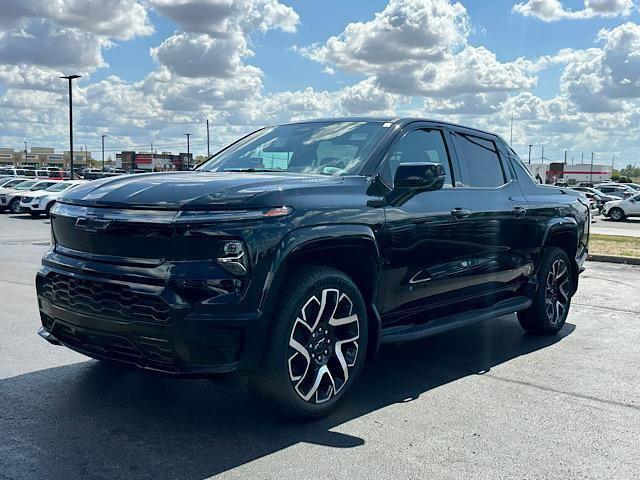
x=10 y=183
x=41 y=186
x=328 y=148
x=58 y=187
x=25 y=185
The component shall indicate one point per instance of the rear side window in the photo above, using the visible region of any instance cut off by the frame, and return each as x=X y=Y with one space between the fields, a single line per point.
x=479 y=161
x=419 y=146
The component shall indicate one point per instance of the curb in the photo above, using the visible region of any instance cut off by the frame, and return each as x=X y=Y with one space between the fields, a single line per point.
x=614 y=259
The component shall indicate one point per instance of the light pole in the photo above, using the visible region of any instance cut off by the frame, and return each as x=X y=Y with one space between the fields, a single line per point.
x=86 y=157
x=25 y=152
x=103 y=152
x=188 y=151
x=591 y=170
x=530 y=147
x=208 y=152
x=70 y=78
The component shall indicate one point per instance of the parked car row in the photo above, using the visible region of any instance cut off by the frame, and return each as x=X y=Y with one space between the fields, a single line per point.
x=33 y=196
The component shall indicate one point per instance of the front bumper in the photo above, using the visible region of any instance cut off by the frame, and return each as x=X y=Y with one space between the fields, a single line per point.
x=150 y=316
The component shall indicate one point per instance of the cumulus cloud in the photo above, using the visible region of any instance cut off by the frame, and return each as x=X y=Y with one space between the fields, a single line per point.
x=200 y=55
x=404 y=33
x=224 y=17
x=42 y=43
x=554 y=10
x=119 y=19
x=365 y=98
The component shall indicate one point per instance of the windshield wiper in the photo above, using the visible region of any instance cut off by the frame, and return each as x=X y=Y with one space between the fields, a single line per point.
x=251 y=170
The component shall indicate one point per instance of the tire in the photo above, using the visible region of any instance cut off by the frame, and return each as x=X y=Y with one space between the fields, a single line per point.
x=617 y=214
x=316 y=346
x=552 y=299
x=14 y=205
x=47 y=210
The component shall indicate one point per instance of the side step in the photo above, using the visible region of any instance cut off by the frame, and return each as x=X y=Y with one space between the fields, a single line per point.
x=411 y=332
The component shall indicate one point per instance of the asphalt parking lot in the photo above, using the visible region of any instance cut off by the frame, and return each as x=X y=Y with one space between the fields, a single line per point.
x=486 y=401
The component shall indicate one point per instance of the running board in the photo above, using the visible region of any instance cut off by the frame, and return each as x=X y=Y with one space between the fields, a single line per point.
x=412 y=332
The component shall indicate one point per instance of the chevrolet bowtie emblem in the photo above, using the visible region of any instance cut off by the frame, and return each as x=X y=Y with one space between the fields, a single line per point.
x=91 y=223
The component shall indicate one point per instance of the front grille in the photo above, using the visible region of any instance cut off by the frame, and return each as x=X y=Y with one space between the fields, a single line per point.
x=103 y=299
x=93 y=342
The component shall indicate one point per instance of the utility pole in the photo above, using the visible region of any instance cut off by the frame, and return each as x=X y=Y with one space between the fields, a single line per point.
x=530 y=146
x=565 y=157
x=70 y=78
x=542 y=155
x=188 y=151
x=208 y=152
x=511 y=141
x=151 y=156
x=25 y=152
x=591 y=171
x=86 y=157
x=103 y=152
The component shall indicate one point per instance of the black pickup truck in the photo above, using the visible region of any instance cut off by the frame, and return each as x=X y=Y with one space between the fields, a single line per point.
x=290 y=256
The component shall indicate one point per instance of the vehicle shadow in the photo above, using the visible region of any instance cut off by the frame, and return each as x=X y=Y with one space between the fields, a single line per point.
x=91 y=419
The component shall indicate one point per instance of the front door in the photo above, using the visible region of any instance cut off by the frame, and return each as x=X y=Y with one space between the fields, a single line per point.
x=426 y=257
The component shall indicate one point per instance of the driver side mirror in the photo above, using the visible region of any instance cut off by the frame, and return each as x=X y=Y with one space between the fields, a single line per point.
x=425 y=176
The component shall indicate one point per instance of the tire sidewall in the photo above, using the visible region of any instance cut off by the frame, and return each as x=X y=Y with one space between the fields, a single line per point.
x=620 y=218
x=555 y=254
x=279 y=368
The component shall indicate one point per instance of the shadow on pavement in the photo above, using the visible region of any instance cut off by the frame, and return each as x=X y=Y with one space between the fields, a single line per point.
x=90 y=420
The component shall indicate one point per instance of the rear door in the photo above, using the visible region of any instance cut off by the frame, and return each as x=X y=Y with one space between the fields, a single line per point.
x=425 y=236
x=499 y=216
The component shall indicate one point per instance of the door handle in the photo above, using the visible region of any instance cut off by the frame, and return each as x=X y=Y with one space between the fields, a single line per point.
x=460 y=213
x=519 y=211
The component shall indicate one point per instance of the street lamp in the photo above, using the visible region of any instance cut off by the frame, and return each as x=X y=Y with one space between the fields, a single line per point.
x=530 y=146
x=70 y=78
x=103 y=152
x=188 y=152
x=86 y=157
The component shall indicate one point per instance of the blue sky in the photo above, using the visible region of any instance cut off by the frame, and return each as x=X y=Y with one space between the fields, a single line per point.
x=567 y=70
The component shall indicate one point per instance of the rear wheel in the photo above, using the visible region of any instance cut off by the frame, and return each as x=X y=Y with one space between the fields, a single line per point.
x=617 y=214
x=552 y=299
x=316 y=346
x=47 y=210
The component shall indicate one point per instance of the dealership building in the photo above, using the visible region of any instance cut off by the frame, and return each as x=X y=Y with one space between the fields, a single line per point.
x=153 y=162
x=570 y=174
x=42 y=157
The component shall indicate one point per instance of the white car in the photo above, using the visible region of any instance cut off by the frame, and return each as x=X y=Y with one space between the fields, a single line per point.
x=10 y=197
x=618 y=210
x=40 y=202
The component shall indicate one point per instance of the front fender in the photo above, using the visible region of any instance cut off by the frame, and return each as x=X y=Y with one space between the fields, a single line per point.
x=303 y=242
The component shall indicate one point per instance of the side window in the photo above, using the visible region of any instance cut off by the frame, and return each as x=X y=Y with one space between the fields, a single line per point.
x=479 y=161
x=419 y=146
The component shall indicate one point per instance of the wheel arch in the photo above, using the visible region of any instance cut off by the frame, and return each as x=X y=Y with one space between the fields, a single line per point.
x=564 y=235
x=351 y=249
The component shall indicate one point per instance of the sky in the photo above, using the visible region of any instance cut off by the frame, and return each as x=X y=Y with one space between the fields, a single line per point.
x=566 y=71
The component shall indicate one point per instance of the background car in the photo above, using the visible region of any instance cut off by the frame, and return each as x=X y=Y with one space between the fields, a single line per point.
x=617 y=189
x=10 y=198
x=621 y=209
x=600 y=196
x=8 y=182
x=40 y=202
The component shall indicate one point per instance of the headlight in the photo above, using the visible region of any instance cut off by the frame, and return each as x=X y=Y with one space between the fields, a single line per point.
x=233 y=257
x=198 y=216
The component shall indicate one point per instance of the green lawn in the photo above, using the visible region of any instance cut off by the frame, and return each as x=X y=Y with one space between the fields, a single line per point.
x=614 y=245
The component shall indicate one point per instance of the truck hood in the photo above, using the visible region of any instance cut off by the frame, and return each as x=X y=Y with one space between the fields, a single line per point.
x=187 y=190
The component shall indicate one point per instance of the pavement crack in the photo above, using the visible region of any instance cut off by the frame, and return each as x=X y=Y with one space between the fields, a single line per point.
x=18 y=283
x=562 y=392
x=607 y=309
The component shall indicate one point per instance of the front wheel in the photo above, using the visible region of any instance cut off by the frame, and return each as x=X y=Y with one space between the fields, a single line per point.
x=552 y=298
x=14 y=205
x=316 y=346
x=616 y=214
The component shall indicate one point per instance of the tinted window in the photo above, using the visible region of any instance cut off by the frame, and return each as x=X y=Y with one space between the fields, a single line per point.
x=479 y=161
x=419 y=146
